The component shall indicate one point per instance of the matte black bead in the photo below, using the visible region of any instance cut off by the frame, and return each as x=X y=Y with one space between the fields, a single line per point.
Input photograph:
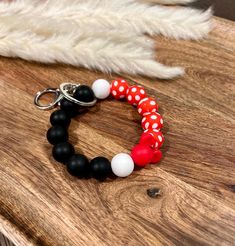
x=59 y=117
x=84 y=94
x=57 y=134
x=70 y=108
x=62 y=152
x=100 y=168
x=78 y=165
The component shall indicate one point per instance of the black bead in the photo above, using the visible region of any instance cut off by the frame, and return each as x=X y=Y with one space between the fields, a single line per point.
x=84 y=94
x=100 y=168
x=57 y=134
x=70 y=108
x=78 y=165
x=59 y=117
x=62 y=152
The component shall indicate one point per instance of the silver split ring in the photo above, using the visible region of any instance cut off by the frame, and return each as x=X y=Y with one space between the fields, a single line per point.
x=66 y=90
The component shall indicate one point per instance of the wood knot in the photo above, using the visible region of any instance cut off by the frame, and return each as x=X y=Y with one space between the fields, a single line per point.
x=153 y=192
x=232 y=188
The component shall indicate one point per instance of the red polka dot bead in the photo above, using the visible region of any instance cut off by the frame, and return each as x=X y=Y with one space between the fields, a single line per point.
x=152 y=121
x=119 y=88
x=146 y=151
x=147 y=105
x=158 y=138
x=134 y=94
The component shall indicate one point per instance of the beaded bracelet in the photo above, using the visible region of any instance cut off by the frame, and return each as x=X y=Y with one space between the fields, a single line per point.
x=72 y=98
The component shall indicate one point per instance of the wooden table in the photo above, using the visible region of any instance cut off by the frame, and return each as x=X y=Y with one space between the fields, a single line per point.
x=41 y=204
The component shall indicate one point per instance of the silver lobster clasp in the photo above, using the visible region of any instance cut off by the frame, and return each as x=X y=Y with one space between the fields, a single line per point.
x=66 y=90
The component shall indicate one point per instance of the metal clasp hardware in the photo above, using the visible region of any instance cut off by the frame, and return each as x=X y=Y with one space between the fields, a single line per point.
x=66 y=90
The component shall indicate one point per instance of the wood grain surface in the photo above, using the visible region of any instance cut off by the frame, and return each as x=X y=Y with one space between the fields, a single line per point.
x=41 y=204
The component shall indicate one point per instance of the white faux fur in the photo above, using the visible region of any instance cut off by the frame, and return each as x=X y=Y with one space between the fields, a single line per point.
x=107 y=35
x=169 y=1
x=185 y=23
x=98 y=53
x=47 y=27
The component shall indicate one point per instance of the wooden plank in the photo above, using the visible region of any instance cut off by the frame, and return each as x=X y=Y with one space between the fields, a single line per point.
x=44 y=205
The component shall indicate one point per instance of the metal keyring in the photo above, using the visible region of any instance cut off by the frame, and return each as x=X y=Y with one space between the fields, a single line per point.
x=51 y=105
x=67 y=90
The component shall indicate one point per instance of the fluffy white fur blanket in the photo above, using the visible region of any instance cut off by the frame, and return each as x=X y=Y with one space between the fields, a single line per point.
x=108 y=35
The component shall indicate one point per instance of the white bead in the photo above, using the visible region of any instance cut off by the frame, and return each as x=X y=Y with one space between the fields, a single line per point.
x=122 y=165
x=101 y=88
